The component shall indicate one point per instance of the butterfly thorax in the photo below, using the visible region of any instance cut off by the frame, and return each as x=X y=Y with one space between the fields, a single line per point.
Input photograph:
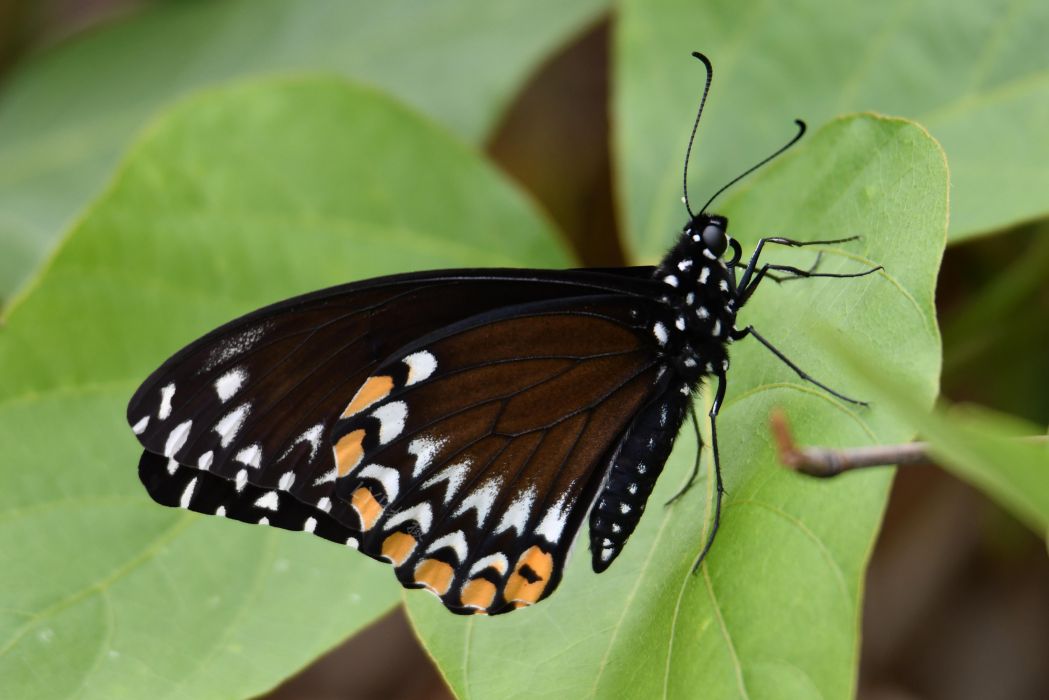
x=701 y=306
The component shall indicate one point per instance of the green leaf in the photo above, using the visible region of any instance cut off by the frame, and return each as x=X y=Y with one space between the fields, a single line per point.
x=975 y=74
x=235 y=199
x=68 y=114
x=774 y=611
x=980 y=446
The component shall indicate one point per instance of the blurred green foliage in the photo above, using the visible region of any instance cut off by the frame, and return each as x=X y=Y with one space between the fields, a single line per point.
x=264 y=184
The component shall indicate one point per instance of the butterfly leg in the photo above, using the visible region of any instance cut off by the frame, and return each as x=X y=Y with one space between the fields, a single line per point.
x=749 y=330
x=752 y=264
x=719 y=398
x=695 y=464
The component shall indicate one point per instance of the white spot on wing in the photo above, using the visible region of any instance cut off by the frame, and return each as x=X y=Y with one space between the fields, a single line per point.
x=177 y=438
x=454 y=475
x=391 y=420
x=221 y=511
x=352 y=542
x=421 y=514
x=172 y=466
x=424 y=449
x=481 y=500
x=389 y=478
x=324 y=504
x=140 y=427
x=230 y=383
x=671 y=280
x=234 y=346
x=310 y=525
x=286 y=480
x=241 y=480
x=183 y=502
x=250 y=455
x=420 y=366
x=496 y=560
x=552 y=525
x=230 y=425
x=204 y=461
x=455 y=540
x=516 y=515
x=166 y=393
x=327 y=476
x=268 y=500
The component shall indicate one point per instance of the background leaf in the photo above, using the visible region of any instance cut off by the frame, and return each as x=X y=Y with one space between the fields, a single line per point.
x=236 y=199
x=977 y=445
x=774 y=612
x=975 y=74
x=64 y=125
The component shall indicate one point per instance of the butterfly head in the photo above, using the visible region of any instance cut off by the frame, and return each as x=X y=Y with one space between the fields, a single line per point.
x=711 y=231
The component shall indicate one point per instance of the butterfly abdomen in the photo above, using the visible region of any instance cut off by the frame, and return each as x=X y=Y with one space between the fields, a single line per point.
x=636 y=465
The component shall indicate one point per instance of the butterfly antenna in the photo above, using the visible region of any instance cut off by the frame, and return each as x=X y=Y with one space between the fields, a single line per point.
x=748 y=171
x=692 y=137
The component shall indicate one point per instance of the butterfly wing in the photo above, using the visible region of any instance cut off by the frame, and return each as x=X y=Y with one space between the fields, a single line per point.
x=471 y=415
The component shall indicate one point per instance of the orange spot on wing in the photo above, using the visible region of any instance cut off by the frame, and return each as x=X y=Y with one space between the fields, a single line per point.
x=478 y=593
x=527 y=589
x=366 y=506
x=435 y=575
x=398 y=547
x=374 y=389
x=349 y=451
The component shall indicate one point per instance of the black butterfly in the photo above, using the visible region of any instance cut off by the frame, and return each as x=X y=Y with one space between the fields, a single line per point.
x=458 y=424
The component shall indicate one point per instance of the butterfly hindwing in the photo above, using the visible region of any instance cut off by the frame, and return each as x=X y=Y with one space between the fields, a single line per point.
x=469 y=459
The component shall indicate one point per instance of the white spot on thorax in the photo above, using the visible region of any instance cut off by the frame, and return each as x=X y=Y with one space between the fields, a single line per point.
x=723 y=285
x=709 y=253
x=702 y=312
x=420 y=366
x=229 y=384
x=391 y=420
x=671 y=280
x=166 y=394
x=680 y=323
x=684 y=265
x=704 y=274
x=717 y=328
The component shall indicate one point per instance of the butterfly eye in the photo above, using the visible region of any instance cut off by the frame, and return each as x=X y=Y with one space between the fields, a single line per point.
x=714 y=238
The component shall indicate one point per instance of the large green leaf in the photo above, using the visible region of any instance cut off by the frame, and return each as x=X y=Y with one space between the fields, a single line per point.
x=235 y=199
x=774 y=611
x=68 y=114
x=975 y=73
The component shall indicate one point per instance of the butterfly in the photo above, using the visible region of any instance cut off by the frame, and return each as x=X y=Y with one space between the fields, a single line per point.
x=461 y=424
